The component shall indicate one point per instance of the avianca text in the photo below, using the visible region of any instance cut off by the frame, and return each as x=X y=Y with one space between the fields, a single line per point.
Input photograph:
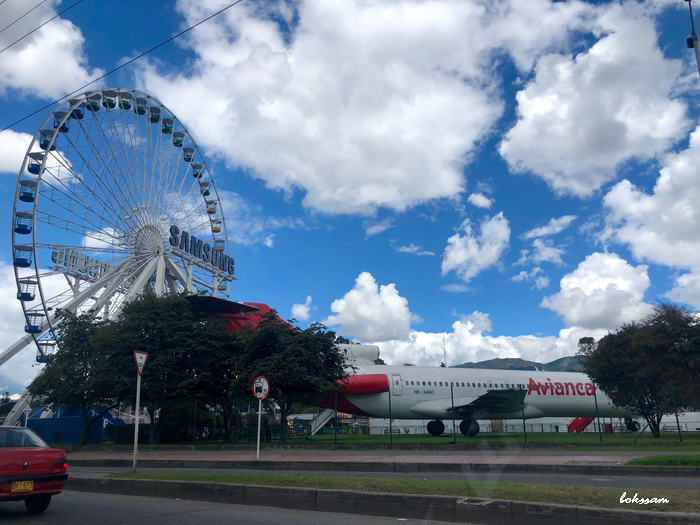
x=560 y=389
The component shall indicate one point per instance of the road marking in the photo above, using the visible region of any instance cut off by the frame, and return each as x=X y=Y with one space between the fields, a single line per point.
x=601 y=479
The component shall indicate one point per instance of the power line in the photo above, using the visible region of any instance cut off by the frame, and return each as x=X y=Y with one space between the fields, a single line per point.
x=3 y=1
x=123 y=65
x=42 y=25
x=25 y=14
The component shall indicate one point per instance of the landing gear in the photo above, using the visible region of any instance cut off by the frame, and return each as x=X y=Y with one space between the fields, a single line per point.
x=469 y=427
x=436 y=428
x=632 y=425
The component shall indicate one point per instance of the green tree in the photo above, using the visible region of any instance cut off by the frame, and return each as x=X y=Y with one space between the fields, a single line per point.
x=181 y=344
x=80 y=373
x=301 y=365
x=649 y=367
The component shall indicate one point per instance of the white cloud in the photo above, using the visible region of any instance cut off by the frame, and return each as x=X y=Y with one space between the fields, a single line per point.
x=544 y=251
x=13 y=148
x=553 y=227
x=479 y=320
x=471 y=253
x=480 y=200
x=365 y=105
x=50 y=62
x=417 y=250
x=454 y=288
x=661 y=227
x=20 y=370
x=302 y=311
x=246 y=223
x=467 y=342
x=602 y=293
x=372 y=313
x=686 y=290
x=541 y=281
x=582 y=117
x=378 y=227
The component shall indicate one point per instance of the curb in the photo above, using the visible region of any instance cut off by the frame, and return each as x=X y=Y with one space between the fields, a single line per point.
x=443 y=508
x=367 y=466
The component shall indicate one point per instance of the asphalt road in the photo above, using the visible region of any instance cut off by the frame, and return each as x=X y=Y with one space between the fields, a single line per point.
x=622 y=482
x=106 y=509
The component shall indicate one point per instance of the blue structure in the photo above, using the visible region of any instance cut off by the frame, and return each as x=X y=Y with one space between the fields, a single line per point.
x=67 y=423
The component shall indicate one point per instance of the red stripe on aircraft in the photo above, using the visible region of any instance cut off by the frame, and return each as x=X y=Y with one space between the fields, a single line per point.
x=364 y=384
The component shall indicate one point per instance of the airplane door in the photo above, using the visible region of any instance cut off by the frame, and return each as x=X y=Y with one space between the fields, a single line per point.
x=396 y=387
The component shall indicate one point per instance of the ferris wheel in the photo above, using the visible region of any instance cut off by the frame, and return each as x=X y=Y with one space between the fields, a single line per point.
x=113 y=200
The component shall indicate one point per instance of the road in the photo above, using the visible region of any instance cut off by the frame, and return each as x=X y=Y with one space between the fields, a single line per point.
x=83 y=508
x=622 y=482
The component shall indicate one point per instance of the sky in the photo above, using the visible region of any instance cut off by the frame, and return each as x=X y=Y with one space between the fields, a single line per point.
x=501 y=177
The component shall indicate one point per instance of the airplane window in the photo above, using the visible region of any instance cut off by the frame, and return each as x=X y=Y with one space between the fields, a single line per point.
x=411 y=383
x=440 y=383
x=501 y=385
x=462 y=383
x=428 y=383
x=397 y=382
x=479 y=385
x=490 y=384
x=423 y=383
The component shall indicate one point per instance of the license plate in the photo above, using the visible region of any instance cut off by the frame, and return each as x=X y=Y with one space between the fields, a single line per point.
x=22 y=486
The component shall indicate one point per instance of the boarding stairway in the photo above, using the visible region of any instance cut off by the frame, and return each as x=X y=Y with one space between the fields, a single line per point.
x=320 y=421
x=579 y=424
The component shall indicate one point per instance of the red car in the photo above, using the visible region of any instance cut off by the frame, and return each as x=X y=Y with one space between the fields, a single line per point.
x=30 y=470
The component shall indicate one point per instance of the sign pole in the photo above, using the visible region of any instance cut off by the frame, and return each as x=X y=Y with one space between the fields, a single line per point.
x=136 y=416
x=140 y=358
x=261 y=388
x=259 y=419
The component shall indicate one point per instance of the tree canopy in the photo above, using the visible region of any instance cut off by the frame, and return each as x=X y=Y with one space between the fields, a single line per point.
x=649 y=367
x=80 y=373
x=191 y=356
x=301 y=365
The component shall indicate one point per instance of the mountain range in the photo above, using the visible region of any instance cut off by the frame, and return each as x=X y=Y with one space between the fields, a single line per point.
x=564 y=364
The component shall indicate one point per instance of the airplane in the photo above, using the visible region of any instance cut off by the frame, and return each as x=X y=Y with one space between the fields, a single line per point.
x=413 y=392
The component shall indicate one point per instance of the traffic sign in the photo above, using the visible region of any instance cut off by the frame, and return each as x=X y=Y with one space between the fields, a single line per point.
x=140 y=360
x=261 y=387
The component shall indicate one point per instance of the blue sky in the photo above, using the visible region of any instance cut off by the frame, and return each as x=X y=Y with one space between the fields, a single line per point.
x=521 y=173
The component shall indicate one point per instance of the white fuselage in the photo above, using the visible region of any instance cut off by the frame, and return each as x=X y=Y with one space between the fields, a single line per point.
x=424 y=393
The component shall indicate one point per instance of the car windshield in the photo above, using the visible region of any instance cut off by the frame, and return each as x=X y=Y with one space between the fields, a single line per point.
x=19 y=437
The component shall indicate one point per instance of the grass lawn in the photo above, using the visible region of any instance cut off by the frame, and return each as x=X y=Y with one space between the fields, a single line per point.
x=678 y=460
x=605 y=497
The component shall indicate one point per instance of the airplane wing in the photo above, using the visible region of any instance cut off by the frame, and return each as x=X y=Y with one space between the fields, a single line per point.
x=492 y=402
x=495 y=402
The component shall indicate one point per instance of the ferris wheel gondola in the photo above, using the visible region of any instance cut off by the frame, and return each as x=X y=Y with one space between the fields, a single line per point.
x=111 y=179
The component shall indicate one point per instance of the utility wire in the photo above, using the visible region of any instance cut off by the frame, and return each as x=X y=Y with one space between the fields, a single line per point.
x=3 y=1
x=25 y=14
x=42 y=25
x=120 y=67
